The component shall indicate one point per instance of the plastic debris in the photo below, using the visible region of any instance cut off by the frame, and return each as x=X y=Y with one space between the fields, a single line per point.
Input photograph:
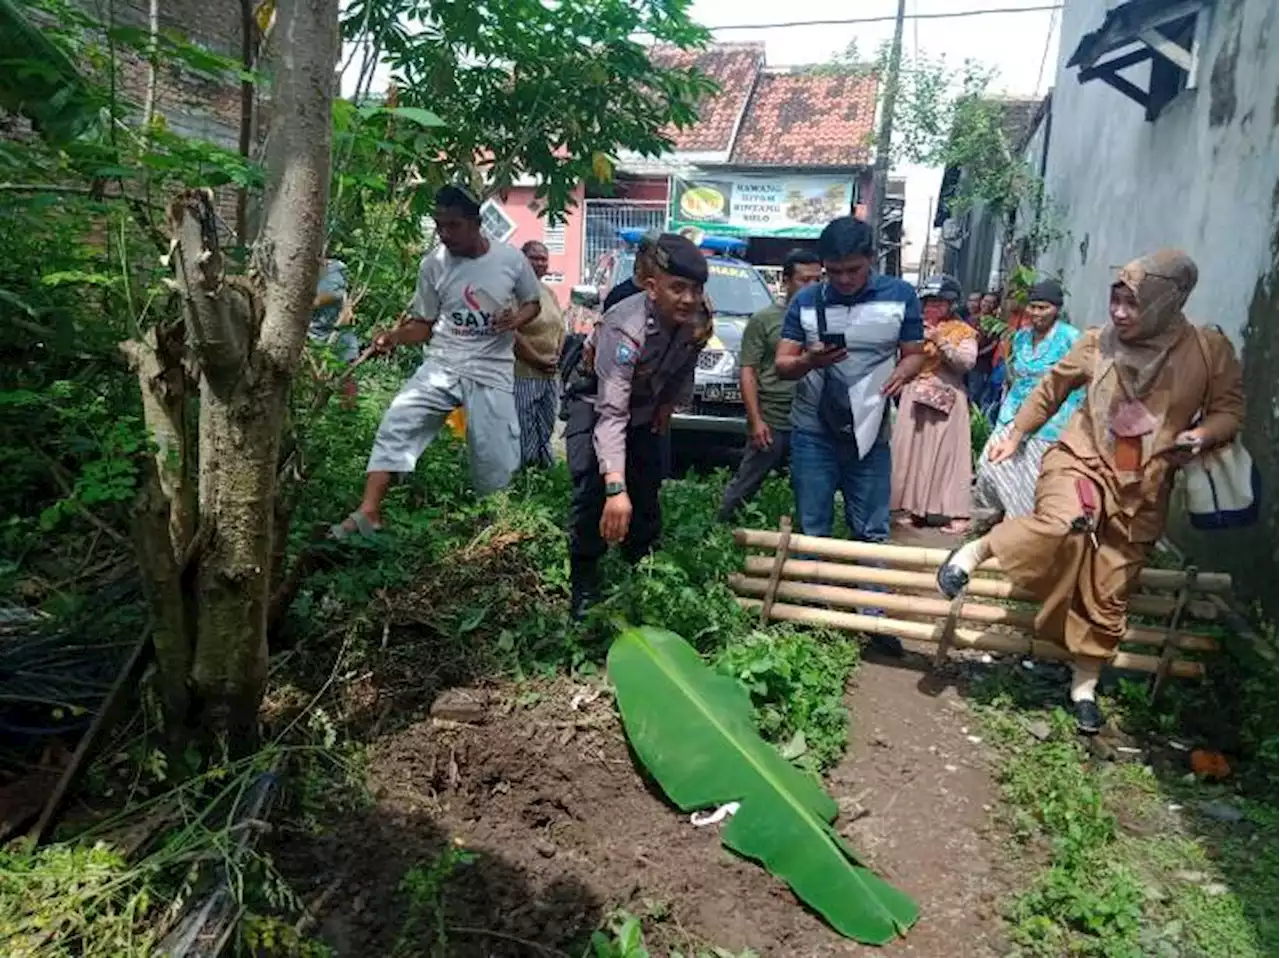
x=703 y=819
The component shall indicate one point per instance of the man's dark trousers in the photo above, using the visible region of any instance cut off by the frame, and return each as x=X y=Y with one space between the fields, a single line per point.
x=754 y=470
x=643 y=479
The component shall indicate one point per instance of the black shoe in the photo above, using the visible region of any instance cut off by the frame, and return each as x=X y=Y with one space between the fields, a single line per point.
x=952 y=580
x=584 y=584
x=1089 y=719
x=887 y=645
x=580 y=603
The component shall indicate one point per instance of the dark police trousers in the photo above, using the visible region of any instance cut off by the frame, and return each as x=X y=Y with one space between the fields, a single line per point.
x=643 y=478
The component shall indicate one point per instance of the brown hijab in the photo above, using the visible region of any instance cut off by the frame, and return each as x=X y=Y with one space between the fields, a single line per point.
x=1161 y=282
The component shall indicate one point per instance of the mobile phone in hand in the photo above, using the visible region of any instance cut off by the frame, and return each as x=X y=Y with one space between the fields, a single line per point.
x=833 y=340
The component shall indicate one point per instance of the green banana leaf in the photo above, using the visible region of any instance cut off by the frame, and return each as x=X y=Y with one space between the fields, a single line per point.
x=693 y=730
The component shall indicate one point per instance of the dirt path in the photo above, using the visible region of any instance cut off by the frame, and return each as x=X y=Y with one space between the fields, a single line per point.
x=565 y=829
x=914 y=766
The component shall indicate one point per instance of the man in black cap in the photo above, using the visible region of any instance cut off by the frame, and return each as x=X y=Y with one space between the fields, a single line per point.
x=639 y=362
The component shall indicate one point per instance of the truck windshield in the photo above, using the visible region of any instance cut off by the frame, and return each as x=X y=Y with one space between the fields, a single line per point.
x=736 y=289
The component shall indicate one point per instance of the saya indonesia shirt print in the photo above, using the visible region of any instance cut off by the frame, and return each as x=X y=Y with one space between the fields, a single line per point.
x=464 y=296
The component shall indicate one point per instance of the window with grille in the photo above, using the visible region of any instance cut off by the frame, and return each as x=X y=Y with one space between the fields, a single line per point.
x=497 y=225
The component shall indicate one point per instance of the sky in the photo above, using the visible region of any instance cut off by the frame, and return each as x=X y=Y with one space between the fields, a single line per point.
x=1022 y=47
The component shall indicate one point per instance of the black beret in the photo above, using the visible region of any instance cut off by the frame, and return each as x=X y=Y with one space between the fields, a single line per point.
x=678 y=256
x=1046 y=291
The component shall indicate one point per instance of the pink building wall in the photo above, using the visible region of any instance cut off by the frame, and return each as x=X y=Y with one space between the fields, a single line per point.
x=520 y=205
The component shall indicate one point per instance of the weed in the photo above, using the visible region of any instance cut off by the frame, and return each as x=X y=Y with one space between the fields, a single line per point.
x=796 y=681
x=623 y=939
x=622 y=936
x=424 y=885
x=269 y=937
x=1169 y=883
x=979 y=431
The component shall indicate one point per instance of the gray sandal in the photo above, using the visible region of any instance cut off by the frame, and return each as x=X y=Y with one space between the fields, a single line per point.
x=363 y=527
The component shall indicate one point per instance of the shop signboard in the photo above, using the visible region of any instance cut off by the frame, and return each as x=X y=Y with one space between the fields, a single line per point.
x=790 y=206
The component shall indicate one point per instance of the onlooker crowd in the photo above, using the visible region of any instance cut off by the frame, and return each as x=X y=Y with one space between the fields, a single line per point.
x=856 y=382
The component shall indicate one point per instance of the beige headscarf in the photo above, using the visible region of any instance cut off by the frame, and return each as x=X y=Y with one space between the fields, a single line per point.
x=1161 y=282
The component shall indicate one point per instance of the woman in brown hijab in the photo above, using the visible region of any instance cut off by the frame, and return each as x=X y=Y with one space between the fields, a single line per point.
x=1159 y=392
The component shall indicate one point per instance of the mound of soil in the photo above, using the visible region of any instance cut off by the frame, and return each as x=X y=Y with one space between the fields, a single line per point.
x=564 y=828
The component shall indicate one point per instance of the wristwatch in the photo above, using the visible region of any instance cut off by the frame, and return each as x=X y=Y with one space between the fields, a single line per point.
x=612 y=489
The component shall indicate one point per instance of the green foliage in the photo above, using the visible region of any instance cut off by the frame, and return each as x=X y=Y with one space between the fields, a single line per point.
x=547 y=92
x=1095 y=911
x=39 y=79
x=979 y=432
x=694 y=731
x=424 y=886
x=80 y=897
x=945 y=116
x=80 y=268
x=269 y=937
x=1170 y=883
x=622 y=936
x=72 y=900
x=796 y=681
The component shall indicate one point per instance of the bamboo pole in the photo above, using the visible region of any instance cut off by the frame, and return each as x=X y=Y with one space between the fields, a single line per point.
x=842 y=573
x=965 y=638
x=1218 y=583
x=775 y=574
x=914 y=605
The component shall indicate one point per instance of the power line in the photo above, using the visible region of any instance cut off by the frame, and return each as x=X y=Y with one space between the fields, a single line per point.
x=1044 y=57
x=885 y=19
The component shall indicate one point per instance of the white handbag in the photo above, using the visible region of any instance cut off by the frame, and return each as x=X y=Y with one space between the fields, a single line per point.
x=1223 y=486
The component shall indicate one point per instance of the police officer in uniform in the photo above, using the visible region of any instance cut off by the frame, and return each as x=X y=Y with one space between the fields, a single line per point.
x=636 y=368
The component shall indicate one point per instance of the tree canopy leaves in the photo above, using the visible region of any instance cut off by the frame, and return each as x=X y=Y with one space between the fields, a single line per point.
x=525 y=88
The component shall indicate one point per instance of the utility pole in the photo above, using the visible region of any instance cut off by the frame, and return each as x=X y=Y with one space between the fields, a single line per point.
x=884 y=141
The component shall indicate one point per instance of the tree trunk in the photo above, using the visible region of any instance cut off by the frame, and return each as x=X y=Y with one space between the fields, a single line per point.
x=165 y=512
x=239 y=439
x=210 y=588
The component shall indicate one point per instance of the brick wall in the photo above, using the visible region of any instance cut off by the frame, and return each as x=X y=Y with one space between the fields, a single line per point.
x=193 y=103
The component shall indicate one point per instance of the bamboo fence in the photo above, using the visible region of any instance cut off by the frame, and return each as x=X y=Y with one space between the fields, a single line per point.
x=890 y=590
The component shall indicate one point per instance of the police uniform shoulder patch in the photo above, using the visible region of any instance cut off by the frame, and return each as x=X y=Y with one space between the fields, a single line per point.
x=625 y=354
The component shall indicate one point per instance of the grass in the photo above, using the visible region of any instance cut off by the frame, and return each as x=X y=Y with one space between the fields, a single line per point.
x=1132 y=863
x=475 y=589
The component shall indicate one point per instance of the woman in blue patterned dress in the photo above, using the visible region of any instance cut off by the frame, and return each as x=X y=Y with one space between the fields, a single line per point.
x=1009 y=488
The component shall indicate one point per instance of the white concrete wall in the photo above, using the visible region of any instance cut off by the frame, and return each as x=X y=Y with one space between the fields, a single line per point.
x=1128 y=187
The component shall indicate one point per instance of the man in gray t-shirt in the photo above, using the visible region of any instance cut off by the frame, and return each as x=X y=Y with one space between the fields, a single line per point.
x=472 y=295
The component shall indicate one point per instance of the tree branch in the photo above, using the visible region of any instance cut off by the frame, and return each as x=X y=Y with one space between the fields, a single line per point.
x=304 y=50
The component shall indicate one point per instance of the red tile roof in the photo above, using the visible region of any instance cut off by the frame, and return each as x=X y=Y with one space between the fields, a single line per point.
x=734 y=67
x=805 y=119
